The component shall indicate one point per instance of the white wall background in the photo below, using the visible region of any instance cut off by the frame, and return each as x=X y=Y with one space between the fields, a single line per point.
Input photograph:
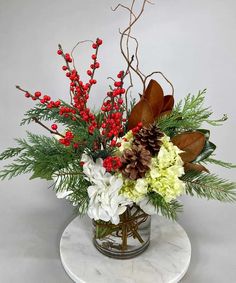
x=192 y=42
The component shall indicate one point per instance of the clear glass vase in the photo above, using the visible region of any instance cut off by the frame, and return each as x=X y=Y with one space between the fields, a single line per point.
x=127 y=239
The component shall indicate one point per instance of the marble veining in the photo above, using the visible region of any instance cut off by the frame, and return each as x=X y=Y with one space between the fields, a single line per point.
x=165 y=261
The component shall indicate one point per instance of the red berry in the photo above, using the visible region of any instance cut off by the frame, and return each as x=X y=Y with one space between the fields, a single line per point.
x=57 y=103
x=27 y=95
x=75 y=145
x=94 y=56
x=37 y=94
x=94 y=46
x=99 y=41
x=120 y=75
x=89 y=72
x=64 y=68
x=118 y=84
x=59 y=52
x=54 y=127
x=122 y=91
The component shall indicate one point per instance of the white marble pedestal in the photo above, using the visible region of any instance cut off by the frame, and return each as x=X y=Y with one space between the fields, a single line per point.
x=165 y=261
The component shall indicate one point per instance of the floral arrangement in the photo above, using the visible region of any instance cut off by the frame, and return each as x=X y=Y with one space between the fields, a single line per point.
x=142 y=154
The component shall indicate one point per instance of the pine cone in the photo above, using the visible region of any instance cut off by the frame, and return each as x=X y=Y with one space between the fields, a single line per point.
x=135 y=162
x=149 y=137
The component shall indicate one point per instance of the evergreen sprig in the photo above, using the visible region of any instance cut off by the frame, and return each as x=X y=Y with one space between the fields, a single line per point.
x=72 y=179
x=224 y=164
x=209 y=186
x=188 y=115
x=167 y=209
x=40 y=154
x=41 y=112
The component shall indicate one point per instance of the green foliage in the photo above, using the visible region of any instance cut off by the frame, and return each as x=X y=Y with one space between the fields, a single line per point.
x=169 y=210
x=42 y=113
x=40 y=154
x=227 y=165
x=72 y=179
x=188 y=115
x=209 y=186
x=208 y=149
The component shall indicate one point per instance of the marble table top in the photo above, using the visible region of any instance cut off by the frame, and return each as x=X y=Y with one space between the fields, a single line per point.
x=165 y=261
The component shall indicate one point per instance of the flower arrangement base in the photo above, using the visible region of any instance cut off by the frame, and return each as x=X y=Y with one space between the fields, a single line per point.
x=129 y=238
x=165 y=261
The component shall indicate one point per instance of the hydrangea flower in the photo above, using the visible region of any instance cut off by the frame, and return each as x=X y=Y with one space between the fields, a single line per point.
x=105 y=201
x=162 y=178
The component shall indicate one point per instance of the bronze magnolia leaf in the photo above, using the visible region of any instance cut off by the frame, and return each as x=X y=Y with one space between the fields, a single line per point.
x=168 y=103
x=194 y=167
x=155 y=96
x=142 y=112
x=152 y=105
x=191 y=143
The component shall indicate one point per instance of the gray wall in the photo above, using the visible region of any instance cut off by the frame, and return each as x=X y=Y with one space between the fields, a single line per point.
x=192 y=42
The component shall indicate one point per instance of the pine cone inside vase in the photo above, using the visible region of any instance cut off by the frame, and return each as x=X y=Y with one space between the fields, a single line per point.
x=135 y=162
x=149 y=137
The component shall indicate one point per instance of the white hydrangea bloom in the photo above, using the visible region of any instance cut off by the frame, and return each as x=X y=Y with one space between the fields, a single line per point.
x=105 y=202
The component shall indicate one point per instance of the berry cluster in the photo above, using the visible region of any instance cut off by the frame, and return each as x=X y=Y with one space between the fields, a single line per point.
x=112 y=163
x=44 y=100
x=136 y=129
x=67 y=139
x=113 y=109
x=80 y=90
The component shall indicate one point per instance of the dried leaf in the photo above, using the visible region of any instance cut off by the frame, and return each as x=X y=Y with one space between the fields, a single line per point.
x=191 y=143
x=194 y=167
x=142 y=112
x=168 y=103
x=155 y=97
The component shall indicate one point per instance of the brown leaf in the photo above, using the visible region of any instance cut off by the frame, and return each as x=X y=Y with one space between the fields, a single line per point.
x=191 y=143
x=142 y=112
x=155 y=97
x=194 y=167
x=168 y=103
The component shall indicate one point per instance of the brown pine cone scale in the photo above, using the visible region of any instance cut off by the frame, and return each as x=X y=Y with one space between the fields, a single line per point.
x=135 y=162
x=149 y=137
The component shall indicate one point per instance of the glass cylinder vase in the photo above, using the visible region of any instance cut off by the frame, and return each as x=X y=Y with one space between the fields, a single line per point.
x=127 y=239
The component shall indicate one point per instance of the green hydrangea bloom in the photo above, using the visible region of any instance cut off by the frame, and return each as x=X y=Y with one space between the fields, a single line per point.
x=165 y=170
x=162 y=178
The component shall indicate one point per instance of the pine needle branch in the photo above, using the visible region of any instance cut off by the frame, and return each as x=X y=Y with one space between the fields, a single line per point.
x=224 y=164
x=188 y=115
x=169 y=210
x=209 y=186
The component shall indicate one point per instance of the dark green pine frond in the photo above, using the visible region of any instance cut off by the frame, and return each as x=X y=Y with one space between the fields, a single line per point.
x=41 y=112
x=72 y=179
x=224 y=164
x=167 y=209
x=21 y=165
x=209 y=186
x=10 y=152
x=188 y=115
x=41 y=155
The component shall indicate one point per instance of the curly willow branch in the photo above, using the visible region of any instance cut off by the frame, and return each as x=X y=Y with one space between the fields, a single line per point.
x=126 y=33
x=77 y=44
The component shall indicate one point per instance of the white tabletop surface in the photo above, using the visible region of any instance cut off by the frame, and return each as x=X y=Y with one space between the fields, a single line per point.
x=165 y=261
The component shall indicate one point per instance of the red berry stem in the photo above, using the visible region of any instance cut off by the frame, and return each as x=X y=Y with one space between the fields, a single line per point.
x=94 y=57
x=36 y=120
